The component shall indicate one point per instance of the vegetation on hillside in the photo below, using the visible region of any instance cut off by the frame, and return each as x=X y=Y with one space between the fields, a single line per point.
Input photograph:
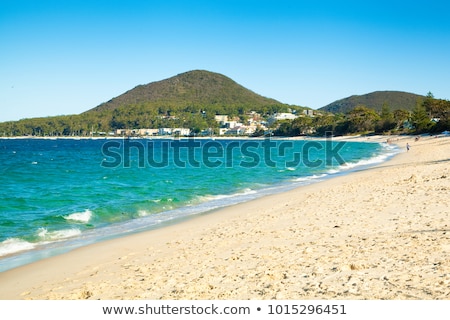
x=375 y=100
x=189 y=92
x=429 y=115
x=188 y=100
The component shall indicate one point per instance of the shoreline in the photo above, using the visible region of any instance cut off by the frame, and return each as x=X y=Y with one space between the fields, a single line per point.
x=292 y=245
x=358 y=137
x=125 y=228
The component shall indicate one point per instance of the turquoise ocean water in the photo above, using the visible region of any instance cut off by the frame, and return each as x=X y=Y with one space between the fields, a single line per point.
x=59 y=194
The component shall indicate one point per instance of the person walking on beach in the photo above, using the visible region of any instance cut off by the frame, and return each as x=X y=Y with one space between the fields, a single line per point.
x=407 y=147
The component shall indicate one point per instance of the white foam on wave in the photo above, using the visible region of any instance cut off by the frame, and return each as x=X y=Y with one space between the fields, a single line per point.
x=46 y=235
x=364 y=162
x=84 y=216
x=308 y=178
x=143 y=213
x=287 y=169
x=391 y=151
x=13 y=245
x=246 y=191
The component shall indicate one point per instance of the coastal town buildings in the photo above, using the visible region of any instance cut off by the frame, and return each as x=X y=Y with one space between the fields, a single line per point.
x=248 y=124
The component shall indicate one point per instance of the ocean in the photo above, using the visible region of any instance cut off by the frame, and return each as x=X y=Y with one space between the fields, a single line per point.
x=60 y=194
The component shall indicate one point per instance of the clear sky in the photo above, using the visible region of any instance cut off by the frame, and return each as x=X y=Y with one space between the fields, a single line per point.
x=65 y=57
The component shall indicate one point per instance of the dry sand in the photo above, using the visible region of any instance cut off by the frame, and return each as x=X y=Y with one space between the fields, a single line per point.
x=381 y=233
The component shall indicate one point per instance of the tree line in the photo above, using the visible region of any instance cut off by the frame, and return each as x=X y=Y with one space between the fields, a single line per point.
x=430 y=115
x=151 y=115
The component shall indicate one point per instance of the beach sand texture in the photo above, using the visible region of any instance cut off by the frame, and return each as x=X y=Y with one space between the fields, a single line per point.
x=380 y=233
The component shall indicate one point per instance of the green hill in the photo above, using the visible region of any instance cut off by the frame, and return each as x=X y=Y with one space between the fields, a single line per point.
x=188 y=100
x=193 y=88
x=375 y=100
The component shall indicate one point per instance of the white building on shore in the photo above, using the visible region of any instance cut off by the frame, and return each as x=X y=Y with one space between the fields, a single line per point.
x=281 y=116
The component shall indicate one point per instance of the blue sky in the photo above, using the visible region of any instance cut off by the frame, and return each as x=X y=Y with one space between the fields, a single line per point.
x=65 y=57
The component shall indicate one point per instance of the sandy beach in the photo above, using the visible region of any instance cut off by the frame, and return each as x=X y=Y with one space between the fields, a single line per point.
x=379 y=233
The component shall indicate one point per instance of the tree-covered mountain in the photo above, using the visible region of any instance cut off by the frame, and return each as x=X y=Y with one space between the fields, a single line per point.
x=375 y=100
x=362 y=116
x=198 y=88
x=189 y=100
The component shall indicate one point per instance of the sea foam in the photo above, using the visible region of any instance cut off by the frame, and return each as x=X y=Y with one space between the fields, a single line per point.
x=246 y=191
x=84 y=216
x=143 y=213
x=46 y=235
x=310 y=178
x=389 y=152
x=13 y=245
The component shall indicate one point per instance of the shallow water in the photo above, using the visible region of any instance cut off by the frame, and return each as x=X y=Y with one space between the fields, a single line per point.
x=65 y=193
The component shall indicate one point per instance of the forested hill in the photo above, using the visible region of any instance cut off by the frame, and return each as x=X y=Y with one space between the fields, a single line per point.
x=192 y=99
x=198 y=88
x=188 y=100
x=375 y=100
